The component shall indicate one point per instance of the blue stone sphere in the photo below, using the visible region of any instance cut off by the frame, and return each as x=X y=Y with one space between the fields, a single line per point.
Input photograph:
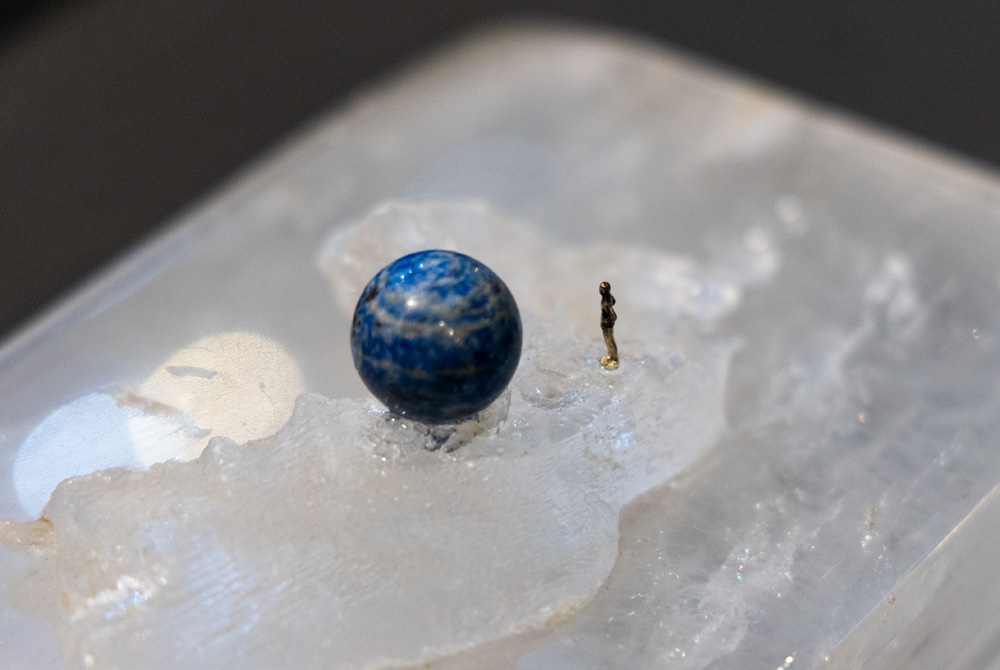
x=436 y=336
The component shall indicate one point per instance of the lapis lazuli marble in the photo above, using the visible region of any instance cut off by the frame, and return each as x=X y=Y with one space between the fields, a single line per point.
x=436 y=336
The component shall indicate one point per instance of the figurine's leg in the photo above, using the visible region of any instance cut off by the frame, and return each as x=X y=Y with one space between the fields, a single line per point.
x=610 y=362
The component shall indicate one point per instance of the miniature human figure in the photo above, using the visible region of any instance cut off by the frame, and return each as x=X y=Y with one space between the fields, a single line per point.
x=608 y=318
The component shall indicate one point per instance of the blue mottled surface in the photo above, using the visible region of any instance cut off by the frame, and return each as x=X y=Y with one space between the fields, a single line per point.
x=436 y=336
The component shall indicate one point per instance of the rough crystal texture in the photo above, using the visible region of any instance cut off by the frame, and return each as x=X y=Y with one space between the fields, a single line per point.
x=344 y=536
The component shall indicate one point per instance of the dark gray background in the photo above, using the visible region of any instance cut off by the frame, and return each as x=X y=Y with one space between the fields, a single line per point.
x=114 y=114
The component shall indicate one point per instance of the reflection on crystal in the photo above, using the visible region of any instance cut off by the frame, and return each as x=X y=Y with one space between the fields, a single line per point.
x=127 y=595
x=88 y=434
x=240 y=385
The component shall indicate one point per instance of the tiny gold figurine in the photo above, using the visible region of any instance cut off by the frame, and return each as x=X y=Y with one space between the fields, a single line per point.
x=608 y=318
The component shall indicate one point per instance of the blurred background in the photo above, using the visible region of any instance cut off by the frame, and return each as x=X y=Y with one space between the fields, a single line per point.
x=116 y=114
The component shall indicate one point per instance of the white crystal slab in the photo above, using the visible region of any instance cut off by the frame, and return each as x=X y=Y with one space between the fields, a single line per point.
x=860 y=409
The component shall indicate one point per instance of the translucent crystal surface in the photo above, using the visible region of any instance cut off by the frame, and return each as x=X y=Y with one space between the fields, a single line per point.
x=793 y=478
x=348 y=519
